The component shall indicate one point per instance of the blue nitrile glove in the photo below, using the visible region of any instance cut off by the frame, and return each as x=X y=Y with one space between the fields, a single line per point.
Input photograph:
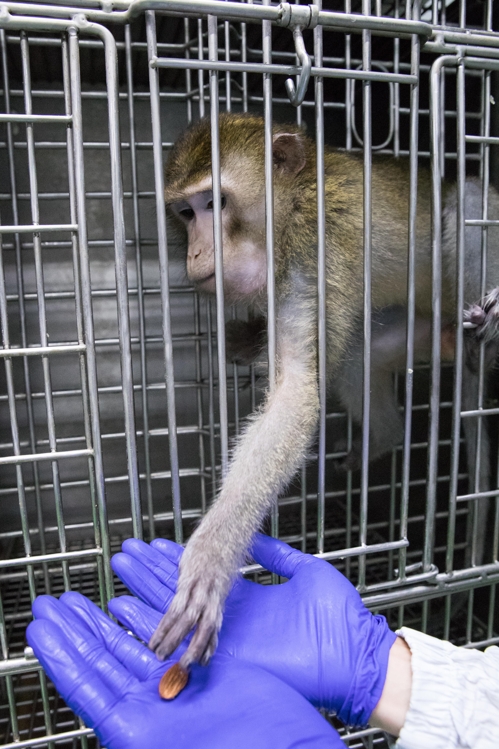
x=313 y=632
x=111 y=680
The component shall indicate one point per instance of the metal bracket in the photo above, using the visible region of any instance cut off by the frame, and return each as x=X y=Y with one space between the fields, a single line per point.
x=299 y=17
x=297 y=94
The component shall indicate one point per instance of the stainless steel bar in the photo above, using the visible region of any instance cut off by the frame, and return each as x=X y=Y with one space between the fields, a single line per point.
x=86 y=286
x=34 y=118
x=367 y=232
x=321 y=289
x=485 y=178
x=49 y=739
x=200 y=70
x=20 y=289
x=432 y=461
x=218 y=244
x=396 y=92
x=211 y=396
x=244 y=59
x=348 y=84
x=286 y=70
x=65 y=556
x=411 y=293
x=14 y=427
x=18 y=459
x=80 y=326
x=18 y=666
x=41 y=350
x=460 y=269
x=283 y=15
x=121 y=272
x=228 y=95
x=199 y=401
x=42 y=312
x=140 y=283
x=269 y=234
x=481 y=221
x=164 y=279
x=188 y=77
x=36 y=228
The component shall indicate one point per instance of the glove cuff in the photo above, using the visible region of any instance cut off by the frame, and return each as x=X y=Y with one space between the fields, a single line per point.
x=370 y=677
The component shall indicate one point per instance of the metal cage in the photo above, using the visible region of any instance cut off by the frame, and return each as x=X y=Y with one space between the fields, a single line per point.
x=116 y=411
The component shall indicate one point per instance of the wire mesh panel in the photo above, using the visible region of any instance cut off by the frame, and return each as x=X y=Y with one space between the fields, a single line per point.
x=118 y=404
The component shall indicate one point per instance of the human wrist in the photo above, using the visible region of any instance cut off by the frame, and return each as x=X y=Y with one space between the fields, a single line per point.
x=373 y=642
x=391 y=710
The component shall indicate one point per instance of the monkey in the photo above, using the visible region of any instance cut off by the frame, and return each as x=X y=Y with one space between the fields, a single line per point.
x=278 y=436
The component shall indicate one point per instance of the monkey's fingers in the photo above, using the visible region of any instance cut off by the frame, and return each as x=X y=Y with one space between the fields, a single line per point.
x=172 y=629
x=484 y=316
x=204 y=642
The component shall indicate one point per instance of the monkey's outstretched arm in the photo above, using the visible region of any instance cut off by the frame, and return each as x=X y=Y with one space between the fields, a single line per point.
x=265 y=459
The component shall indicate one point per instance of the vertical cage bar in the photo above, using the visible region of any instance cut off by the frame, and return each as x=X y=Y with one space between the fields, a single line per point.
x=244 y=58
x=199 y=400
x=367 y=213
x=321 y=285
x=121 y=271
x=228 y=82
x=42 y=311
x=348 y=84
x=436 y=77
x=14 y=427
x=211 y=396
x=218 y=242
x=188 y=72
x=86 y=288
x=201 y=72
x=22 y=306
x=269 y=227
x=163 y=272
x=80 y=326
x=460 y=269
x=411 y=292
x=140 y=281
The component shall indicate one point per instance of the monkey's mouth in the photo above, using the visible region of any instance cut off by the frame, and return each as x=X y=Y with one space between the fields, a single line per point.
x=205 y=280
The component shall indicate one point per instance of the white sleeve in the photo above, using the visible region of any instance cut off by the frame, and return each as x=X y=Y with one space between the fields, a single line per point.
x=455 y=696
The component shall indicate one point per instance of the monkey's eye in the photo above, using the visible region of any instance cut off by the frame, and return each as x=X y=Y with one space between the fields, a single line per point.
x=223 y=203
x=186 y=213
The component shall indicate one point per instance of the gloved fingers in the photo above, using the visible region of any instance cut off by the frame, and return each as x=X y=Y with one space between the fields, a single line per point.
x=93 y=649
x=164 y=566
x=137 y=616
x=142 y=582
x=73 y=675
x=169 y=549
x=134 y=657
x=278 y=557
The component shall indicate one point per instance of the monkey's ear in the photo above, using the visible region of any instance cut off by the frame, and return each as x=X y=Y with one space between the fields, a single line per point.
x=288 y=151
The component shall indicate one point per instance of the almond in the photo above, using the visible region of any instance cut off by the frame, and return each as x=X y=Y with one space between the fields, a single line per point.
x=173 y=681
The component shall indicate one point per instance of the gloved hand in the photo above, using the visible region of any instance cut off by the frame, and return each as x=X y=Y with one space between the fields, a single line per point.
x=111 y=681
x=313 y=632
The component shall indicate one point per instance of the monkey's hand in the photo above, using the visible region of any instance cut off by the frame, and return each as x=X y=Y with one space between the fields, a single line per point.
x=483 y=325
x=245 y=340
x=484 y=316
x=206 y=575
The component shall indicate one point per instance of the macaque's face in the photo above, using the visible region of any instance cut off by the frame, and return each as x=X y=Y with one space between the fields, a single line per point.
x=244 y=256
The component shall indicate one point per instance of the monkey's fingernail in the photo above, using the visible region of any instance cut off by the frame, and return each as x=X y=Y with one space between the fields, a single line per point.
x=173 y=681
